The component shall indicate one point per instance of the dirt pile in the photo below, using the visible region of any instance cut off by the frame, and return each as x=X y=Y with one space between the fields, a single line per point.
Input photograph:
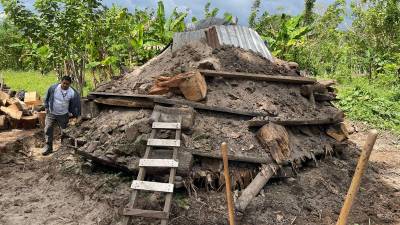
x=110 y=137
x=235 y=109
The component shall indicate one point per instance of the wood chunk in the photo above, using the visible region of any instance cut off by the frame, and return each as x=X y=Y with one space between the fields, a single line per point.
x=260 y=77
x=324 y=97
x=28 y=122
x=327 y=83
x=3 y=98
x=31 y=96
x=12 y=111
x=194 y=87
x=33 y=103
x=338 y=132
x=255 y=186
x=275 y=139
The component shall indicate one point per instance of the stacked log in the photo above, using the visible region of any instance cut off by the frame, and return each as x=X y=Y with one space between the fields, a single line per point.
x=15 y=113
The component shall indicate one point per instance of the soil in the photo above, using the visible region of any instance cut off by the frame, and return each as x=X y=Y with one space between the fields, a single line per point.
x=274 y=99
x=59 y=189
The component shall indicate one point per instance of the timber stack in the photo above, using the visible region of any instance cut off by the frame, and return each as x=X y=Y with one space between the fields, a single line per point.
x=20 y=110
x=224 y=89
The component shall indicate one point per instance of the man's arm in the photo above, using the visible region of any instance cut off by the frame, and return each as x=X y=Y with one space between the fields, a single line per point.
x=47 y=99
x=75 y=104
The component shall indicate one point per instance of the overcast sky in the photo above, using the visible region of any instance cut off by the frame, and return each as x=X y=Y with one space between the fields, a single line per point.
x=239 y=8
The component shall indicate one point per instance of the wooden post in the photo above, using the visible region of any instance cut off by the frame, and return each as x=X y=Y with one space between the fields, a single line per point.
x=228 y=184
x=355 y=183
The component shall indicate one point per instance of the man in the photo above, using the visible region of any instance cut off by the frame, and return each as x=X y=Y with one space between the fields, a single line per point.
x=61 y=103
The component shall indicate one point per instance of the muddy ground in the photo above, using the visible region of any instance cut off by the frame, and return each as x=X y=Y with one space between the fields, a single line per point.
x=57 y=189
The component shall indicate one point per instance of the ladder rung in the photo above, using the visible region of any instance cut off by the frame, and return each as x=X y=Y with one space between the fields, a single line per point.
x=152 y=186
x=164 y=142
x=163 y=125
x=146 y=213
x=158 y=163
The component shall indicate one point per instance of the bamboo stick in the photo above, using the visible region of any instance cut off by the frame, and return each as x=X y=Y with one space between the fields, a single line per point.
x=355 y=183
x=228 y=184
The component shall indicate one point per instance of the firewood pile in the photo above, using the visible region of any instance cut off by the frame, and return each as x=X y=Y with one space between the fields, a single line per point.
x=20 y=111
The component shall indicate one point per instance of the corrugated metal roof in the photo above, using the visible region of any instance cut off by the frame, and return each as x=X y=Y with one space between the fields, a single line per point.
x=215 y=36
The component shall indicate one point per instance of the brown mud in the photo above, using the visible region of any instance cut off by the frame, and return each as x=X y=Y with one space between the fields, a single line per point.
x=57 y=190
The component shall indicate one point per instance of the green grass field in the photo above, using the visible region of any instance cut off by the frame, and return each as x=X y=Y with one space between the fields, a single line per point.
x=34 y=81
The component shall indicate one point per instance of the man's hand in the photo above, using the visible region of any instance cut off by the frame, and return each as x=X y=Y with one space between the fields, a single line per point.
x=47 y=111
x=70 y=115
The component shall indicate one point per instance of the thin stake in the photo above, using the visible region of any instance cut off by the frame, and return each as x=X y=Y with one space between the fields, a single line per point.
x=355 y=183
x=227 y=183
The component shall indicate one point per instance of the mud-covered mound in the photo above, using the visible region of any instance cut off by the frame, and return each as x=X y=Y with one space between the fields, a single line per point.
x=272 y=99
x=189 y=57
x=120 y=137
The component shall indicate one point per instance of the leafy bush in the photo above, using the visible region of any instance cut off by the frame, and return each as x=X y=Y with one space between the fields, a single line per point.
x=376 y=103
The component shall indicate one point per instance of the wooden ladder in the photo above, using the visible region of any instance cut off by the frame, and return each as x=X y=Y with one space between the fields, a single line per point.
x=140 y=184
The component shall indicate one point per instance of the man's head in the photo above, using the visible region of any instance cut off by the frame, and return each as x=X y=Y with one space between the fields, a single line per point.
x=65 y=82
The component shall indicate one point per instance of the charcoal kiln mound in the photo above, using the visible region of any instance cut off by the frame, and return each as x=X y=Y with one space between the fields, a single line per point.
x=265 y=111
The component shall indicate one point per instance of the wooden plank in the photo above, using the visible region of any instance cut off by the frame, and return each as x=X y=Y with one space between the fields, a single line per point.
x=296 y=122
x=163 y=100
x=145 y=213
x=158 y=163
x=164 y=142
x=115 y=101
x=164 y=125
x=152 y=186
x=107 y=94
x=207 y=107
x=259 y=77
x=236 y=157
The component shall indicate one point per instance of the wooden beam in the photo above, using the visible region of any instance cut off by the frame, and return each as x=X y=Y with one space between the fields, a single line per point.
x=167 y=101
x=207 y=107
x=115 y=101
x=295 y=122
x=259 y=77
x=237 y=157
x=107 y=94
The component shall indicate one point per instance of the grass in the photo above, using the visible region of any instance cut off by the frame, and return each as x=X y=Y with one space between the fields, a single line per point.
x=376 y=102
x=34 y=81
